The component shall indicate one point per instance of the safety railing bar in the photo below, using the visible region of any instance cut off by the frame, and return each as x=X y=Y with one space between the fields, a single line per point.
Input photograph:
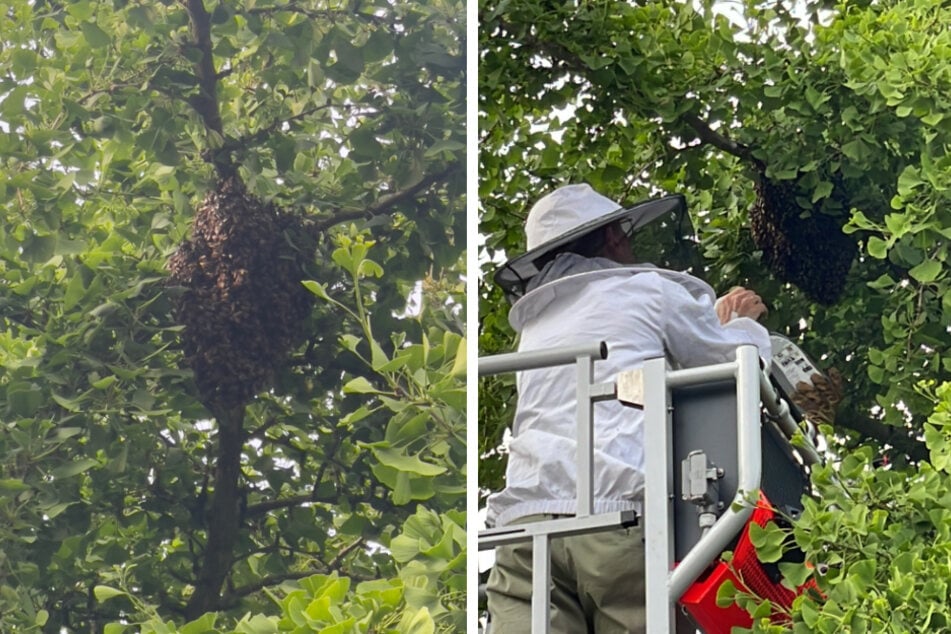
x=558 y=527
x=584 y=482
x=534 y=359
x=778 y=409
x=658 y=486
x=541 y=583
x=703 y=374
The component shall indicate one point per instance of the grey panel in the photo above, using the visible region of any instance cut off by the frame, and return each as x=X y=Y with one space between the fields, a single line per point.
x=704 y=418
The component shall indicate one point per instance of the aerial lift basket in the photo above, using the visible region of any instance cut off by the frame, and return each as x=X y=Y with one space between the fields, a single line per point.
x=717 y=426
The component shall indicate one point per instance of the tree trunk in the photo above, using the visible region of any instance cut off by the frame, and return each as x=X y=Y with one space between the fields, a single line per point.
x=223 y=517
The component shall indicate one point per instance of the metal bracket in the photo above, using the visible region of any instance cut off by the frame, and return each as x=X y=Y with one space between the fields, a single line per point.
x=700 y=480
x=700 y=485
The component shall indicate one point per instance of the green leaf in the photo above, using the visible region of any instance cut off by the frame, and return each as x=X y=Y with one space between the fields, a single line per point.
x=405 y=548
x=316 y=288
x=70 y=404
x=363 y=141
x=810 y=616
x=355 y=416
x=104 y=593
x=344 y=258
x=378 y=358
x=795 y=574
x=768 y=541
x=74 y=292
x=350 y=342
x=877 y=248
x=359 y=385
x=822 y=190
x=726 y=594
x=11 y=486
x=857 y=150
x=459 y=363
x=403 y=489
x=104 y=382
x=815 y=98
x=74 y=468
x=863 y=573
x=762 y=611
x=926 y=272
x=54 y=510
x=378 y=46
x=369 y=268
x=758 y=535
x=204 y=624
x=421 y=623
x=908 y=180
x=257 y=624
x=24 y=399
x=96 y=37
x=392 y=457
x=446 y=145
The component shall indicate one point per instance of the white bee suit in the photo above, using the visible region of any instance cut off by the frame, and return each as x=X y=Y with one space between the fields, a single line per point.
x=641 y=312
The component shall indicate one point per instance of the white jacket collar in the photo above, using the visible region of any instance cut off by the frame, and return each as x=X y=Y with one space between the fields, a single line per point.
x=540 y=298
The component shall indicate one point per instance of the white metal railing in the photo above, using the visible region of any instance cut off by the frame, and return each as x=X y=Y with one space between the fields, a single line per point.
x=541 y=533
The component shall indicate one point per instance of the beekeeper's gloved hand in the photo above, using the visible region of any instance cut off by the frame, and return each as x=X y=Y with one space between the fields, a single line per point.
x=740 y=302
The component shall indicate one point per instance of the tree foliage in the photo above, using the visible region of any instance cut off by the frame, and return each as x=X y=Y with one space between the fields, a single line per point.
x=841 y=106
x=331 y=498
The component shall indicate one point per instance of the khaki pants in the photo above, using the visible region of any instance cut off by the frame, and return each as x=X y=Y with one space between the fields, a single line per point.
x=597 y=584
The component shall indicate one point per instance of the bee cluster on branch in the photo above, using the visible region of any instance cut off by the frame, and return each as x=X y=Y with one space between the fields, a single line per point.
x=819 y=399
x=242 y=305
x=804 y=247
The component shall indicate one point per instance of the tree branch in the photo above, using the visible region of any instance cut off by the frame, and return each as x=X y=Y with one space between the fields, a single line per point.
x=264 y=133
x=346 y=550
x=206 y=101
x=384 y=203
x=706 y=134
x=278 y=547
x=244 y=591
x=328 y=457
x=900 y=438
x=325 y=15
x=282 y=503
x=271 y=580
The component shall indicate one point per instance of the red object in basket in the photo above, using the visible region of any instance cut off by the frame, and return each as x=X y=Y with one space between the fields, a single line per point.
x=700 y=599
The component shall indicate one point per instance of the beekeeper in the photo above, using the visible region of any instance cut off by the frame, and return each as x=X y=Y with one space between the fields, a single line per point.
x=581 y=281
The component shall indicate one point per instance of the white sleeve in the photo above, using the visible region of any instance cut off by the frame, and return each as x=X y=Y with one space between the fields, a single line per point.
x=693 y=335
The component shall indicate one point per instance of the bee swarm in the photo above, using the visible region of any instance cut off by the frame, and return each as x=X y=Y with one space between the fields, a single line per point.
x=810 y=252
x=819 y=399
x=243 y=305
